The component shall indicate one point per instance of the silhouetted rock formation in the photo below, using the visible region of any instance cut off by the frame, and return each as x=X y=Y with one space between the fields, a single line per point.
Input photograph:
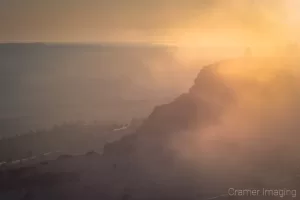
x=206 y=100
x=236 y=104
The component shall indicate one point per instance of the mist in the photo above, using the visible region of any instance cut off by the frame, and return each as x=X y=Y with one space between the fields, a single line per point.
x=47 y=84
x=215 y=22
x=254 y=143
x=194 y=98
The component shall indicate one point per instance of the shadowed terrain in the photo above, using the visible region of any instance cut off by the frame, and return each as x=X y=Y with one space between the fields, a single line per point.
x=236 y=127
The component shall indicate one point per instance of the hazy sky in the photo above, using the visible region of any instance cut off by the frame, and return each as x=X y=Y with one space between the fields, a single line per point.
x=136 y=20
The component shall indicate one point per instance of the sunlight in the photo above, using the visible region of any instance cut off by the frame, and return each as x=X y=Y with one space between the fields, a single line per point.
x=293 y=18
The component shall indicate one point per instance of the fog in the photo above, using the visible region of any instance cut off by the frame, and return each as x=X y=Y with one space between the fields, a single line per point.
x=47 y=84
x=188 y=22
x=235 y=126
x=254 y=144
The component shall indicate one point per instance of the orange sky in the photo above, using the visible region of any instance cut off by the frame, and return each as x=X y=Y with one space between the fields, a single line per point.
x=163 y=21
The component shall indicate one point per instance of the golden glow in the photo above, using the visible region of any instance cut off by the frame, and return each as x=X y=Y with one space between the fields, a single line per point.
x=189 y=22
x=266 y=28
x=293 y=14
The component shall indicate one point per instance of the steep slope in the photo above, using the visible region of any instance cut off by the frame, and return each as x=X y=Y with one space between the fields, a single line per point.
x=237 y=127
x=240 y=113
x=200 y=107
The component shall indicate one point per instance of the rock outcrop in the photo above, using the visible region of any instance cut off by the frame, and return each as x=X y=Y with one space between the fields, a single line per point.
x=201 y=106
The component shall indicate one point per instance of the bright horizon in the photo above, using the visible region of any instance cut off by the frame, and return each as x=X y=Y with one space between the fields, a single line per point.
x=187 y=23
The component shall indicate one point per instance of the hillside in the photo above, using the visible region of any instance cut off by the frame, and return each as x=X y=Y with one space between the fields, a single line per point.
x=235 y=128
